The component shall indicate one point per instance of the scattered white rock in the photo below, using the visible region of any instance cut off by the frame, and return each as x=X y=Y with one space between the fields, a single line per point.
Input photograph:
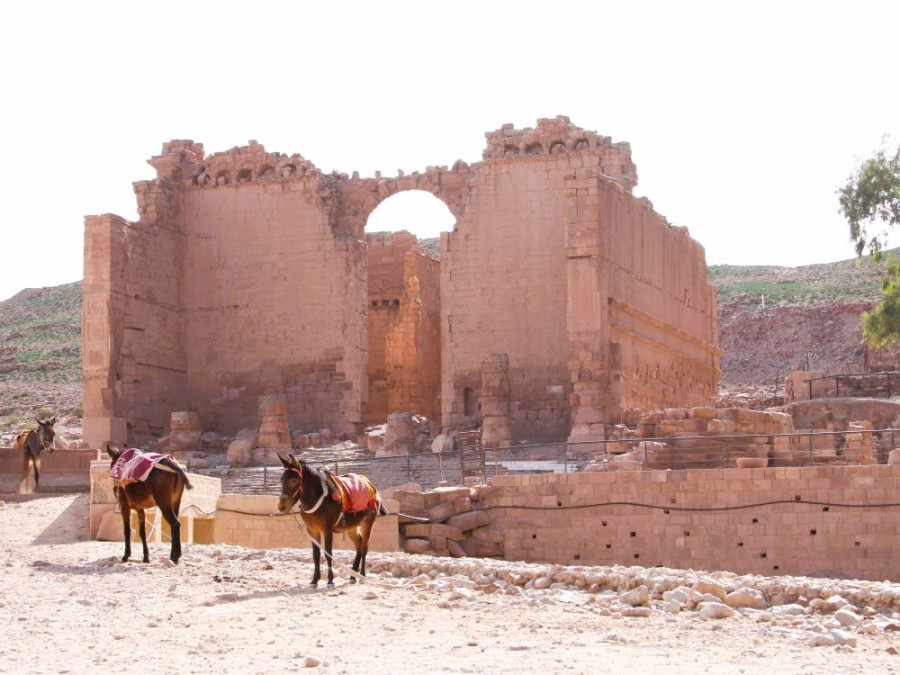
x=715 y=610
x=746 y=597
x=636 y=596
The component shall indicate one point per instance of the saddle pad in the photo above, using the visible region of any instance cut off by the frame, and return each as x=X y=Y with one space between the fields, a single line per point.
x=357 y=492
x=134 y=465
x=22 y=438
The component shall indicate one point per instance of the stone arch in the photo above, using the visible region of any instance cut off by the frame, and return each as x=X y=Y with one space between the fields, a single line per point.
x=245 y=176
x=410 y=193
x=222 y=178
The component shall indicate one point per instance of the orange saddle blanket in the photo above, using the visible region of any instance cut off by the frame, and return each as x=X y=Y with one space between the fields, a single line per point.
x=355 y=491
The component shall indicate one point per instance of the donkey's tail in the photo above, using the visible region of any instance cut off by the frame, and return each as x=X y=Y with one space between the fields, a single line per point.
x=382 y=509
x=172 y=465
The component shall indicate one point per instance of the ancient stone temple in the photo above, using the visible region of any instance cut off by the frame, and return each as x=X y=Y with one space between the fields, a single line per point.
x=249 y=274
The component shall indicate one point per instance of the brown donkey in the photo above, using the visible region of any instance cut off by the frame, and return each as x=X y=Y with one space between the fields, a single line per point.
x=330 y=504
x=32 y=442
x=142 y=481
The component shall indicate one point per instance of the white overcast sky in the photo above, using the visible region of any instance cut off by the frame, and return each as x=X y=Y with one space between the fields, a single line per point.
x=743 y=117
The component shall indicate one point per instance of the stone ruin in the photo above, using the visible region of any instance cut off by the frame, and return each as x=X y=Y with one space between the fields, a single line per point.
x=250 y=277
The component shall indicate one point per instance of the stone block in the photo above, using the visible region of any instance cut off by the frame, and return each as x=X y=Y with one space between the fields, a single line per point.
x=414 y=530
x=185 y=421
x=481 y=548
x=442 y=512
x=470 y=520
x=97 y=431
x=416 y=545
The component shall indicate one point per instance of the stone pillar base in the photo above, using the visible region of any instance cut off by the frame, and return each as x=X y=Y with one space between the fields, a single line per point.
x=99 y=430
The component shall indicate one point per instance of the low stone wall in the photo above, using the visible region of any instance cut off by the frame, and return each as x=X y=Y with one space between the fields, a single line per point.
x=61 y=471
x=254 y=521
x=823 y=520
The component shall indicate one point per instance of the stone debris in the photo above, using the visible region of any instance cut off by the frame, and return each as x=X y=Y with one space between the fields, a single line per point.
x=451 y=521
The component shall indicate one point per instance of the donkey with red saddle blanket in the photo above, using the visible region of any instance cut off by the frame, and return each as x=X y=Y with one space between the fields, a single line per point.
x=142 y=480
x=33 y=442
x=329 y=504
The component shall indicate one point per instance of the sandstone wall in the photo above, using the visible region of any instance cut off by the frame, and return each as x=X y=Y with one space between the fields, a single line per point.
x=685 y=523
x=231 y=286
x=247 y=275
x=272 y=304
x=133 y=328
x=662 y=309
x=386 y=283
x=403 y=328
x=503 y=291
x=413 y=345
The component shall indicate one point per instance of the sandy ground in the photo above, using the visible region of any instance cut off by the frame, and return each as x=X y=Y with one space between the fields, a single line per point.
x=68 y=606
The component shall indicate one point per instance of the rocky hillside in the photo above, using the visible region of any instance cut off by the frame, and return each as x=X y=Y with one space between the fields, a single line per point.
x=40 y=353
x=772 y=320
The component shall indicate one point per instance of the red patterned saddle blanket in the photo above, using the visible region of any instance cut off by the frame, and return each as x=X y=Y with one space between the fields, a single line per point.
x=135 y=465
x=355 y=491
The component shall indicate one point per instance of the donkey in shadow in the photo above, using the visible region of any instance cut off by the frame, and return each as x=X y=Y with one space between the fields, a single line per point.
x=33 y=442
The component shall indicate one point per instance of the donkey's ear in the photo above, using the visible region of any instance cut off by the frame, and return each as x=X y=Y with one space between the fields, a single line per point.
x=111 y=450
x=285 y=463
x=294 y=462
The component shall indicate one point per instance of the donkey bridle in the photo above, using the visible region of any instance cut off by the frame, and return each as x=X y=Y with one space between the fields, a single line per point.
x=294 y=497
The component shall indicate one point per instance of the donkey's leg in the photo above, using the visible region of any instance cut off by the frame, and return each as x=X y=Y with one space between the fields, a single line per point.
x=329 y=539
x=365 y=531
x=316 y=571
x=126 y=528
x=36 y=460
x=142 y=529
x=354 y=535
x=175 y=527
x=26 y=470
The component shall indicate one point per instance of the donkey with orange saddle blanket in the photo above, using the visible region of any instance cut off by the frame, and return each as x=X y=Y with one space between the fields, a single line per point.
x=330 y=504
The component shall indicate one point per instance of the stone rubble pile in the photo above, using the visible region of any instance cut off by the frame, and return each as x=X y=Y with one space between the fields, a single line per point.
x=817 y=612
x=458 y=524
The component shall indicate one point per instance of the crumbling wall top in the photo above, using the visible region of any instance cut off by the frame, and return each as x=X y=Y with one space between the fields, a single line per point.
x=557 y=136
x=184 y=160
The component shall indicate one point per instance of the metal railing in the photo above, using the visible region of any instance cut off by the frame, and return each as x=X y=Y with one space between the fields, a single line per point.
x=882 y=384
x=430 y=470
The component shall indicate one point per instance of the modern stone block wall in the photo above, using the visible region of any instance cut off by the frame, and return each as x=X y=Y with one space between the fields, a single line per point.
x=823 y=520
x=61 y=471
x=254 y=521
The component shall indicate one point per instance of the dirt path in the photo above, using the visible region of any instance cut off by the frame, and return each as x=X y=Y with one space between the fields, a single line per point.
x=69 y=606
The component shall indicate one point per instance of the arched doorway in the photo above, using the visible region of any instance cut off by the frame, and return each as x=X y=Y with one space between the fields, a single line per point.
x=404 y=336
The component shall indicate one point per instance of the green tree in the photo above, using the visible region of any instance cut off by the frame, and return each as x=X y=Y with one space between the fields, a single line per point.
x=871 y=197
x=881 y=326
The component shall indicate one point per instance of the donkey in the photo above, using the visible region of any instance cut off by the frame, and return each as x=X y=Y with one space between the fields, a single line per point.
x=327 y=505
x=32 y=442
x=161 y=486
